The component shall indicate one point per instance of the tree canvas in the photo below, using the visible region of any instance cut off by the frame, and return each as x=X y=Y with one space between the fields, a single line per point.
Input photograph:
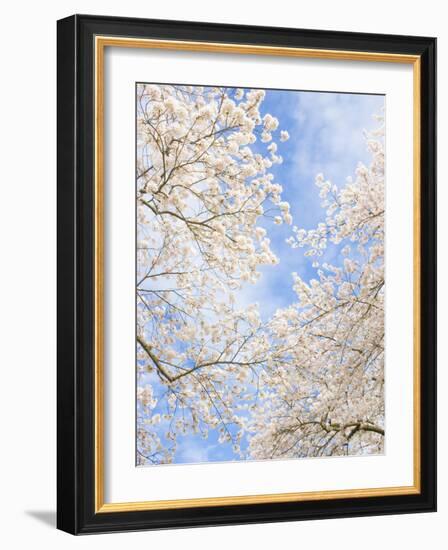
x=260 y=281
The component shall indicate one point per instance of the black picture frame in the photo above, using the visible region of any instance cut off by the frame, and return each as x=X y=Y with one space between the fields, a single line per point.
x=76 y=264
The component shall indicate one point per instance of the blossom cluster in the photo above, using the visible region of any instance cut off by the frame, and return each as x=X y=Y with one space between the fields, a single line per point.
x=324 y=385
x=310 y=380
x=202 y=189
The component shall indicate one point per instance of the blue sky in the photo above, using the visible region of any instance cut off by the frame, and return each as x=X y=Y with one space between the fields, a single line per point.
x=326 y=136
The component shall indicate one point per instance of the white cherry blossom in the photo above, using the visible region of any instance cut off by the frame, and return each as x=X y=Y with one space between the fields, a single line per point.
x=324 y=384
x=201 y=191
x=310 y=381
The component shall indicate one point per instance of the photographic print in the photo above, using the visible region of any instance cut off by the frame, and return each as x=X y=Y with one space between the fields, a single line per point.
x=247 y=244
x=259 y=274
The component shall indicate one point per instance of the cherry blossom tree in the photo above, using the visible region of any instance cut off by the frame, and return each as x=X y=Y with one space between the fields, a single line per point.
x=310 y=381
x=323 y=390
x=202 y=186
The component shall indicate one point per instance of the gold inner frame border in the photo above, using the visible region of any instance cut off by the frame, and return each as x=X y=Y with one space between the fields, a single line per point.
x=100 y=43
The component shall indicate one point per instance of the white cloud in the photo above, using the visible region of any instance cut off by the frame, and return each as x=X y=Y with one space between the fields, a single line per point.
x=194 y=451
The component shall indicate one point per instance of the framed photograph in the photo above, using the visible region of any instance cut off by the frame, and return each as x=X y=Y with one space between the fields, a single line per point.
x=247 y=274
